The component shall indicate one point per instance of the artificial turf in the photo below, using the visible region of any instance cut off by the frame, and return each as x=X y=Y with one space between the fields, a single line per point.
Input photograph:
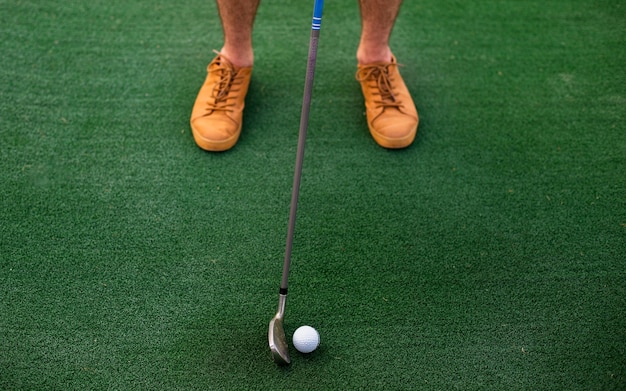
x=489 y=255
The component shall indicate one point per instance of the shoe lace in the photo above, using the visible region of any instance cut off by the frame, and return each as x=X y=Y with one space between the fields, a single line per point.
x=378 y=74
x=229 y=81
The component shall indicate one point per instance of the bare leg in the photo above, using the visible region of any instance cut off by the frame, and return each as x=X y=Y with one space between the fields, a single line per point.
x=377 y=20
x=237 y=21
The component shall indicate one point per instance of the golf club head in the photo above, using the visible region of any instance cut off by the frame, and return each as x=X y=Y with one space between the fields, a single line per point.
x=276 y=336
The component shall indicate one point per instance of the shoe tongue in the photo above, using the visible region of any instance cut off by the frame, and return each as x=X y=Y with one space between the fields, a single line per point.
x=225 y=63
x=222 y=62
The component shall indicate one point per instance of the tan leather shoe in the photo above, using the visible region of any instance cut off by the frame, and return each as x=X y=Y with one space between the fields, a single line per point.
x=391 y=114
x=217 y=114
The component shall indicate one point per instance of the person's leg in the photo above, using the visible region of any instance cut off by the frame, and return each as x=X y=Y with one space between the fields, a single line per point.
x=237 y=20
x=391 y=114
x=377 y=20
x=217 y=114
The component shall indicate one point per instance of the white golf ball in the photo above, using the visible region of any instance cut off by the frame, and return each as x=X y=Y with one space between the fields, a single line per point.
x=306 y=339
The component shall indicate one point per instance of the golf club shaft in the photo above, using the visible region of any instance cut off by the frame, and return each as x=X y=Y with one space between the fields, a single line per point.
x=304 y=121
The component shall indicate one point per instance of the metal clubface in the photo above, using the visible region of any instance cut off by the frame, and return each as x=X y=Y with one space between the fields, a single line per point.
x=276 y=335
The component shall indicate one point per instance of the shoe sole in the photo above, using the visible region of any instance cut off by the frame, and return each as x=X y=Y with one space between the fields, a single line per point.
x=213 y=145
x=394 y=143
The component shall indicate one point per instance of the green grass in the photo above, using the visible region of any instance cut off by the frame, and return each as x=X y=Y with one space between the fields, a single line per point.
x=488 y=255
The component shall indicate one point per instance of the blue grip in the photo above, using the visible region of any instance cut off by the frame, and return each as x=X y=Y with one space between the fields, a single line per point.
x=317 y=14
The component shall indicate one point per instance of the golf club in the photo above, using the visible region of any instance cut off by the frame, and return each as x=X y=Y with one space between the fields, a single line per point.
x=276 y=334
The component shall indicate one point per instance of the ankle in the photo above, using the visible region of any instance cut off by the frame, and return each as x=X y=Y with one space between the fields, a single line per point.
x=238 y=57
x=365 y=55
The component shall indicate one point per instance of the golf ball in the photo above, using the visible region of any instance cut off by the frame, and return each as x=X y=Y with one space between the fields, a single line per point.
x=306 y=339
